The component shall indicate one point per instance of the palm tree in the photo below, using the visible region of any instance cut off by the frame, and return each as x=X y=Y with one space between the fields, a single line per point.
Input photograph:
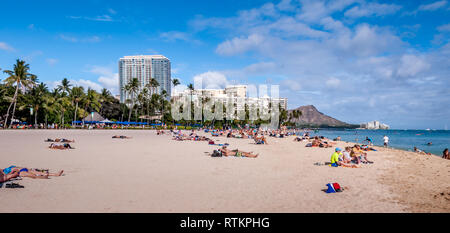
x=62 y=103
x=191 y=90
x=37 y=96
x=91 y=101
x=76 y=95
x=175 y=82
x=64 y=87
x=20 y=77
x=163 y=100
x=154 y=84
x=105 y=96
x=132 y=87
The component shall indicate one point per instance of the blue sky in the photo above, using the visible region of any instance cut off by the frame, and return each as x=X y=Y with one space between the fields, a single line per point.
x=355 y=60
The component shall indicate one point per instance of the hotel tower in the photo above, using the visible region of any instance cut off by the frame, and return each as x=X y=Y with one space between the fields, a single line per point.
x=144 y=68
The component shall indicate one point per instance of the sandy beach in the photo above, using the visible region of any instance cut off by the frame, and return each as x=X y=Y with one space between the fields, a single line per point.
x=151 y=173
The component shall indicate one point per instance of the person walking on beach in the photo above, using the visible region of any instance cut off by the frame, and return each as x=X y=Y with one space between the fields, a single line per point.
x=386 y=141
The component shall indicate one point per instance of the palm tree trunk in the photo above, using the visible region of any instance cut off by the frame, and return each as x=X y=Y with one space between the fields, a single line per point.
x=136 y=112
x=14 y=111
x=76 y=109
x=130 y=110
x=35 y=118
x=14 y=100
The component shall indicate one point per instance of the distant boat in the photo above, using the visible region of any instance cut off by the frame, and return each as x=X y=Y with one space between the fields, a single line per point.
x=428 y=129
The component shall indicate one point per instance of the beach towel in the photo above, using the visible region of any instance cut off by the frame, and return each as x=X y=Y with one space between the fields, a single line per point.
x=333 y=188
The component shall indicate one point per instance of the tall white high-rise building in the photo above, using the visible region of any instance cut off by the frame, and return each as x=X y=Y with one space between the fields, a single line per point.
x=144 y=68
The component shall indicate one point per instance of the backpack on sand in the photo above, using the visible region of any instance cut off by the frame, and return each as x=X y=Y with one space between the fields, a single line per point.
x=333 y=188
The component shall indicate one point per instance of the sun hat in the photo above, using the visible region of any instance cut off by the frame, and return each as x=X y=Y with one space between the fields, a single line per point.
x=338 y=149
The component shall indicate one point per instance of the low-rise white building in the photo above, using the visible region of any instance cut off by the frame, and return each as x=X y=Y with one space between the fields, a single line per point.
x=234 y=93
x=374 y=125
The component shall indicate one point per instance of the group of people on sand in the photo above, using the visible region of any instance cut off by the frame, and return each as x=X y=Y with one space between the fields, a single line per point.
x=350 y=157
x=320 y=142
x=12 y=172
x=60 y=143
x=180 y=136
x=121 y=137
x=238 y=153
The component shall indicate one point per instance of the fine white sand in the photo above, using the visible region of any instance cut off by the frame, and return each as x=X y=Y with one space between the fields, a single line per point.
x=151 y=173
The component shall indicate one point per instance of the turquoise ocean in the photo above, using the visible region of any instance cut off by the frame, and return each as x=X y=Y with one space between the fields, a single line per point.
x=399 y=139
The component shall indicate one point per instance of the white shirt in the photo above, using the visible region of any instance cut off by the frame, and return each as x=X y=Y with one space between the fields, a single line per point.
x=386 y=139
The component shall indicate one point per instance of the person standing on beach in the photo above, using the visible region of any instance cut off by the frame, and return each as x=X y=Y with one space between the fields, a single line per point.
x=386 y=141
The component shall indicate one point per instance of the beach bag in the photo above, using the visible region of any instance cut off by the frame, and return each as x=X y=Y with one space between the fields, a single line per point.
x=211 y=142
x=216 y=153
x=333 y=188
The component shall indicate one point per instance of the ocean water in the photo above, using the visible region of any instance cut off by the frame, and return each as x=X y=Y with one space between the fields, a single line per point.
x=400 y=139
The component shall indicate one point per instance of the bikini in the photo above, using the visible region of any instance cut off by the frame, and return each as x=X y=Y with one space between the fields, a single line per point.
x=8 y=170
x=23 y=170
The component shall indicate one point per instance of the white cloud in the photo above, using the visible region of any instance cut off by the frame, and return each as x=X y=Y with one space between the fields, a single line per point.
x=292 y=85
x=444 y=28
x=91 y=39
x=101 y=18
x=107 y=79
x=372 y=9
x=211 y=80
x=239 y=45
x=6 y=47
x=173 y=36
x=87 y=84
x=112 y=11
x=412 y=65
x=51 y=61
x=333 y=82
x=432 y=6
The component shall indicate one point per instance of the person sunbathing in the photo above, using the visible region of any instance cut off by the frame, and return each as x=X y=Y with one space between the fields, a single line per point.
x=64 y=146
x=417 y=150
x=34 y=173
x=59 y=140
x=6 y=177
x=121 y=137
x=237 y=153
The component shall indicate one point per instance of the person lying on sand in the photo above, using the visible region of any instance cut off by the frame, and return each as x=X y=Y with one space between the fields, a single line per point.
x=59 y=140
x=417 y=150
x=319 y=143
x=121 y=137
x=34 y=173
x=5 y=177
x=238 y=153
x=64 y=146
